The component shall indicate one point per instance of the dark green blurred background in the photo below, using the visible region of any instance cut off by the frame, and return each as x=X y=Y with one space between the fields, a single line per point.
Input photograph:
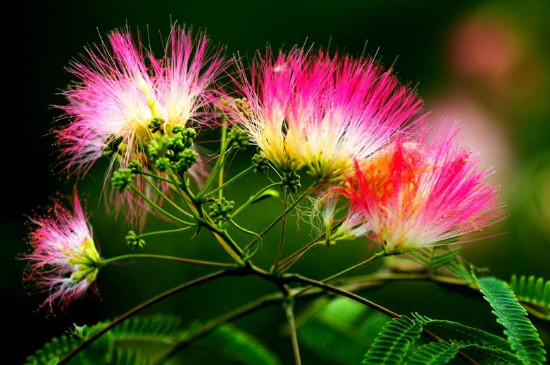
x=486 y=63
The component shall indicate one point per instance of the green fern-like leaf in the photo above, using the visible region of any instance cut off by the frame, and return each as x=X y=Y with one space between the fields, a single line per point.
x=128 y=357
x=240 y=346
x=444 y=258
x=470 y=333
x=440 y=353
x=392 y=343
x=533 y=291
x=339 y=329
x=99 y=352
x=435 y=353
x=522 y=335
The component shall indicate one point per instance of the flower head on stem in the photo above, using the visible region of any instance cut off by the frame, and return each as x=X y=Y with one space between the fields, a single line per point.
x=125 y=95
x=64 y=261
x=423 y=194
x=310 y=109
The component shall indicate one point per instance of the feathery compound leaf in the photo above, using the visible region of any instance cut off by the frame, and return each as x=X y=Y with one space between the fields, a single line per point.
x=434 y=353
x=392 y=343
x=158 y=328
x=521 y=333
x=444 y=258
x=128 y=357
x=470 y=333
x=240 y=346
x=340 y=330
x=440 y=353
x=99 y=352
x=534 y=292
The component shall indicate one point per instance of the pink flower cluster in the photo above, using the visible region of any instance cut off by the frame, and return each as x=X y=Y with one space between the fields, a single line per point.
x=417 y=194
x=323 y=112
x=64 y=261
x=121 y=89
x=356 y=130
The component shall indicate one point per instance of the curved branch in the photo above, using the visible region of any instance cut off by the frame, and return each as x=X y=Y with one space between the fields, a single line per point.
x=139 y=308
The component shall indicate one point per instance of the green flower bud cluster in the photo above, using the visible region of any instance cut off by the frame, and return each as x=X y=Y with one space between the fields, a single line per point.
x=134 y=241
x=221 y=209
x=175 y=152
x=291 y=182
x=156 y=125
x=122 y=179
x=135 y=166
x=260 y=164
x=238 y=138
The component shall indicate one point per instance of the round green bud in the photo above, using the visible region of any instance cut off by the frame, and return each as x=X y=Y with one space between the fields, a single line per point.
x=239 y=138
x=260 y=164
x=162 y=163
x=221 y=209
x=291 y=182
x=155 y=125
x=184 y=160
x=135 y=166
x=122 y=179
x=134 y=241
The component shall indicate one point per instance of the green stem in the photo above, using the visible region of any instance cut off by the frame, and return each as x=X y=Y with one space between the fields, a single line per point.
x=292 y=258
x=253 y=198
x=87 y=342
x=283 y=231
x=356 y=266
x=222 y=157
x=166 y=258
x=285 y=266
x=166 y=231
x=170 y=201
x=279 y=218
x=157 y=207
x=289 y=311
x=230 y=181
x=215 y=323
x=372 y=305
x=157 y=177
x=218 y=167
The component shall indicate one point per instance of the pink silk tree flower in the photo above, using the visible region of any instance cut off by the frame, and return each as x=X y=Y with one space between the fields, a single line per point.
x=323 y=113
x=64 y=261
x=122 y=89
x=419 y=195
x=124 y=93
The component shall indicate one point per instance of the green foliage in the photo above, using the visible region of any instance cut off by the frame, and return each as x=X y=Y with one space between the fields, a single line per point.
x=140 y=339
x=522 y=335
x=98 y=352
x=439 y=353
x=444 y=258
x=470 y=333
x=393 y=342
x=533 y=291
x=434 y=353
x=339 y=329
x=128 y=357
x=240 y=346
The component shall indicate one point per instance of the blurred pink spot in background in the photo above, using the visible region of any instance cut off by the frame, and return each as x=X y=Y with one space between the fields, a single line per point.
x=480 y=131
x=485 y=47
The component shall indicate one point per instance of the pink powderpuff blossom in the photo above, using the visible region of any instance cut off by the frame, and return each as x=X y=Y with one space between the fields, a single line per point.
x=122 y=88
x=323 y=112
x=64 y=261
x=423 y=194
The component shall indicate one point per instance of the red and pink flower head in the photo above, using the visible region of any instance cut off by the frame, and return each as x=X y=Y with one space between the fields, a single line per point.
x=417 y=195
x=320 y=112
x=64 y=261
